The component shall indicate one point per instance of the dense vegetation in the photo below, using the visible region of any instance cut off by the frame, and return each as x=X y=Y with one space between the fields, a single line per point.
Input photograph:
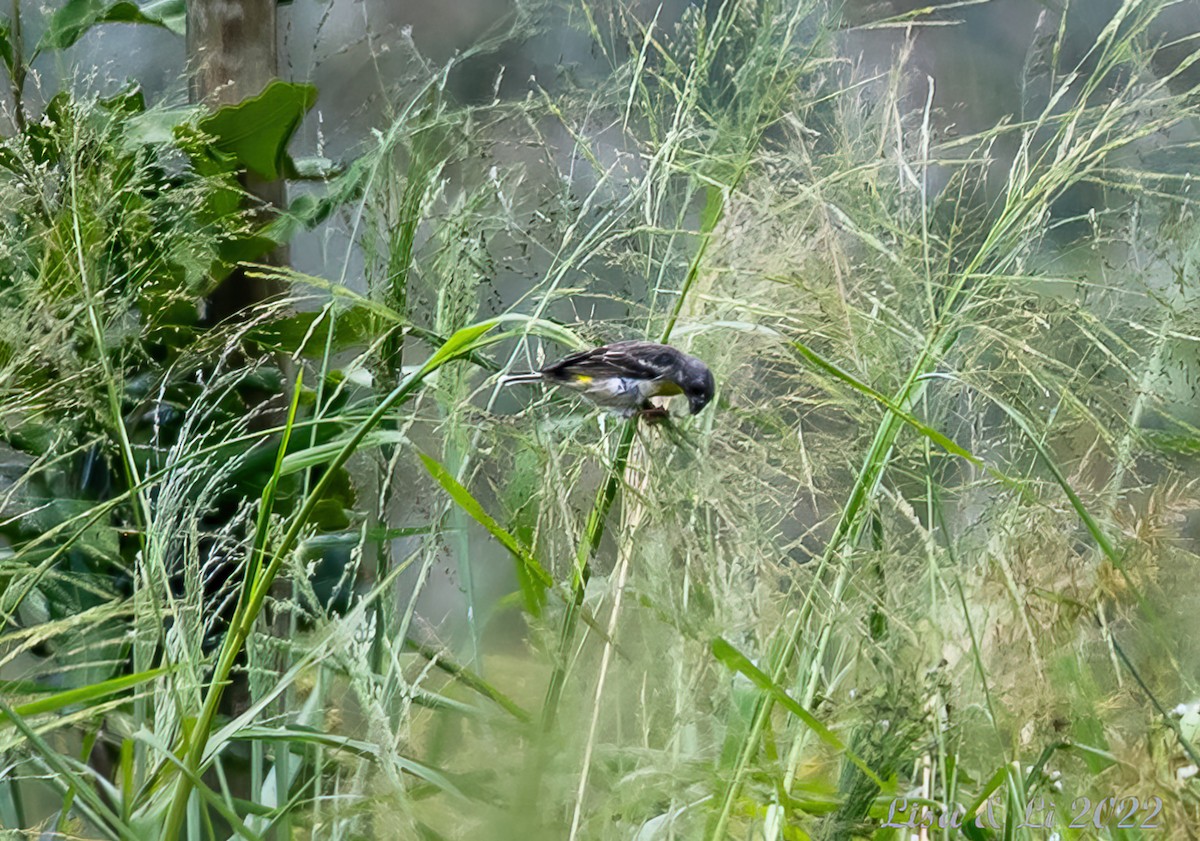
x=313 y=572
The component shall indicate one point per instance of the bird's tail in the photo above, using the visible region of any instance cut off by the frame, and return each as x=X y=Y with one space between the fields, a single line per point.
x=526 y=377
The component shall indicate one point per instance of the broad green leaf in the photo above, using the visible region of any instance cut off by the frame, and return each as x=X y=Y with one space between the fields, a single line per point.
x=73 y=20
x=740 y=663
x=308 y=332
x=172 y=13
x=156 y=126
x=257 y=130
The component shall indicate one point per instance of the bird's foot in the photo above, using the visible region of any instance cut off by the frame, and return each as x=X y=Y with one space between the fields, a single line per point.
x=654 y=414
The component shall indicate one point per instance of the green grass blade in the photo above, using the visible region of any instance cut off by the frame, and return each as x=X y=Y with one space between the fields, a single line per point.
x=81 y=695
x=537 y=573
x=740 y=663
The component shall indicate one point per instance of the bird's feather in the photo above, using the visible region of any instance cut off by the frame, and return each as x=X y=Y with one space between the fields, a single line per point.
x=632 y=359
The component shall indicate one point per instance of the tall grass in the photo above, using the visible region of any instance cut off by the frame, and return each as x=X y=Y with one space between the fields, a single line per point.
x=927 y=546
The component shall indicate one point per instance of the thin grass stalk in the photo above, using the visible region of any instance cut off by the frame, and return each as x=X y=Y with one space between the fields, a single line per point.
x=258 y=579
x=1030 y=193
x=141 y=508
x=395 y=291
x=713 y=213
x=254 y=588
x=1142 y=392
x=329 y=314
x=594 y=532
x=581 y=574
x=142 y=513
x=419 y=178
x=629 y=527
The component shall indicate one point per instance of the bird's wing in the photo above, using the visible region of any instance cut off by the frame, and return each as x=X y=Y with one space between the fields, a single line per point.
x=633 y=359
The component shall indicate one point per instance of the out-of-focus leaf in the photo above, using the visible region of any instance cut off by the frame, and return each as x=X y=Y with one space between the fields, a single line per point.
x=308 y=332
x=307 y=211
x=72 y=21
x=156 y=126
x=6 y=50
x=257 y=130
x=329 y=515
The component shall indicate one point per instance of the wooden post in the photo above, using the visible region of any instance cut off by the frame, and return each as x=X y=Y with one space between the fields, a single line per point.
x=232 y=54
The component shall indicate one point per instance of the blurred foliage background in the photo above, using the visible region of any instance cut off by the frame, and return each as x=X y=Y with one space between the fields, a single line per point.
x=304 y=568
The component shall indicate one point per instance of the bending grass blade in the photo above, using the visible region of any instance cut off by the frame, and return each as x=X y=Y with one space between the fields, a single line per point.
x=969 y=825
x=320 y=454
x=1021 y=421
x=80 y=695
x=1169 y=720
x=740 y=663
x=535 y=573
x=530 y=567
x=358 y=747
x=858 y=385
x=469 y=679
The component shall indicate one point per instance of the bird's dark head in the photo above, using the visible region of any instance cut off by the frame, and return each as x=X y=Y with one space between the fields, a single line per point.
x=697 y=383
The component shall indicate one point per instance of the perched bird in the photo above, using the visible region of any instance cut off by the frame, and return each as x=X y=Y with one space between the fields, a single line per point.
x=624 y=376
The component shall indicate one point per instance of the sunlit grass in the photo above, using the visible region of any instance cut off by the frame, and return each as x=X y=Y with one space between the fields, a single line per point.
x=930 y=542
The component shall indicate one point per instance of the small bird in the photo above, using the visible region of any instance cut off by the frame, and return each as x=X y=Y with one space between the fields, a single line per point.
x=624 y=376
